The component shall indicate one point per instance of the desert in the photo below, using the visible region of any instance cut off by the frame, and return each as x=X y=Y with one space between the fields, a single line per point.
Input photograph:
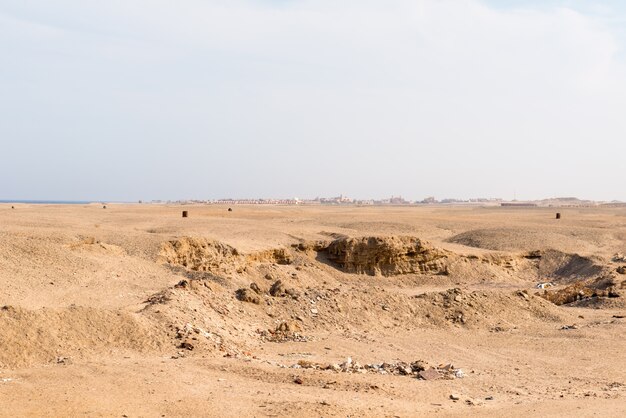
x=383 y=311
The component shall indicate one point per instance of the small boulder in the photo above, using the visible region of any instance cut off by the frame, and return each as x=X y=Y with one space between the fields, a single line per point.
x=255 y=287
x=288 y=326
x=183 y=284
x=430 y=374
x=248 y=295
x=277 y=289
x=419 y=366
x=186 y=345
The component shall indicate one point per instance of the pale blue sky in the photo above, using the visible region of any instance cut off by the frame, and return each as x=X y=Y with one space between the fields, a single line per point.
x=156 y=99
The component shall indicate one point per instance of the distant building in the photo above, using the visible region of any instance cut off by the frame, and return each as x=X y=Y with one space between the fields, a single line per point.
x=519 y=204
x=397 y=200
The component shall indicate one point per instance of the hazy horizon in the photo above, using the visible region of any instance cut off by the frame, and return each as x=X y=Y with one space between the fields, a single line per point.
x=121 y=101
x=374 y=198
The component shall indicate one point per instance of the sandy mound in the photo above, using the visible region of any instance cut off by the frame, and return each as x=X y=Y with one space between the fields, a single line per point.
x=387 y=256
x=599 y=303
x=523 y=239
x=233 y=324
x=50 y=335
x=484 y=310
x=567 y=267
x=545 y=262
x=91 y=244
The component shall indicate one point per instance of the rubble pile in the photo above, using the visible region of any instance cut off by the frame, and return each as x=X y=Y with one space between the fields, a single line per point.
x=418 y=369
x=189 y=334
x=601 y=287
x=285 y=331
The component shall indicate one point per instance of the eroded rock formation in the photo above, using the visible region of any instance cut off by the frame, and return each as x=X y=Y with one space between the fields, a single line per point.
x=387 y=256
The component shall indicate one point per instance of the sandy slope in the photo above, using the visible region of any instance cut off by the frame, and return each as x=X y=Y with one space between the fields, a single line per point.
x=98 y=302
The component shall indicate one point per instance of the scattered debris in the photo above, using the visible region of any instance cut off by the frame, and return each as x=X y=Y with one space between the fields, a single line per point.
x=545 y=285
x=569 y=327
x=600 y=287
x=288 y=326
x=418 y=369
x=64 y=360
x=190 y=332
x=614 y=386
x=285 y=331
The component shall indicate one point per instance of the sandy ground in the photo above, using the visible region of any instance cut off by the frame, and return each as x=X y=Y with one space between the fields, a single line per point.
x=95 y=313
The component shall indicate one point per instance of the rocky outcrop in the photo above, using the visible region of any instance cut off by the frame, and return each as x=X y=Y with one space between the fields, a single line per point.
x=387 y=256
x=201 y=254
x=275 y=255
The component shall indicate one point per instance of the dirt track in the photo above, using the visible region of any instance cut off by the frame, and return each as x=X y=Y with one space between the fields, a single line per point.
x=133 y=310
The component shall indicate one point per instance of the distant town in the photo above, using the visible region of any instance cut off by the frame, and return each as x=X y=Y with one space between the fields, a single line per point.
x=399 y=200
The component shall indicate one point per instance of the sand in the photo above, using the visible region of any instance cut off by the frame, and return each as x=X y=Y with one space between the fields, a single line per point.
x=134 y=311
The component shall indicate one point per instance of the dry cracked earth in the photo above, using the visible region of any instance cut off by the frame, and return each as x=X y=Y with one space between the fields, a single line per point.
x=132 y=310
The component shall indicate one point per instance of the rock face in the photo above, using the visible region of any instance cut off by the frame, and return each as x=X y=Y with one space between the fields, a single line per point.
x=387 y=256
x=276 y=255
x=200 y=254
